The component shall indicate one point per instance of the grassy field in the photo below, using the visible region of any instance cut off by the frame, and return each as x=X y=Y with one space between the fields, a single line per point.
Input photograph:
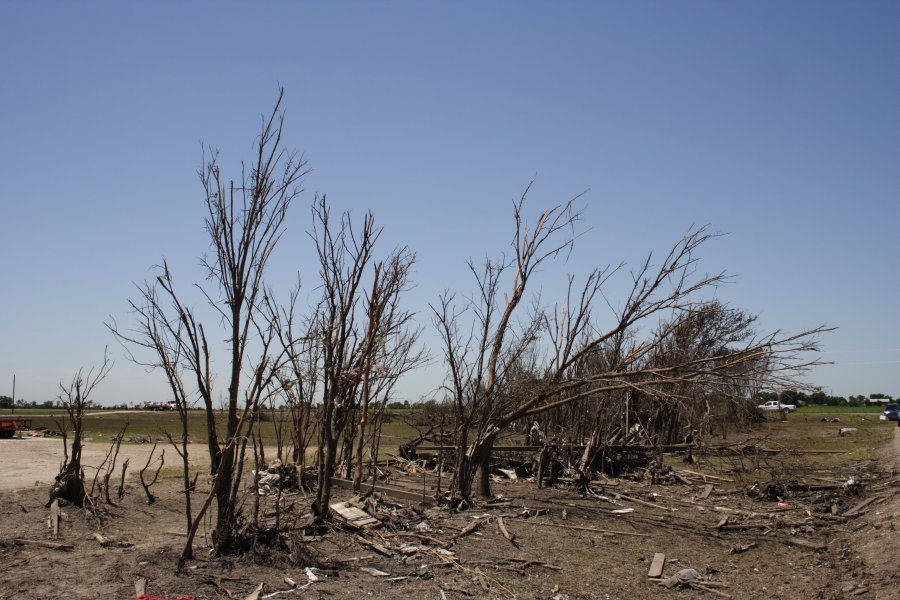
x=820 y=431
x=821 y=409
x=810 y=428
x=24 y=412
x=153 y=426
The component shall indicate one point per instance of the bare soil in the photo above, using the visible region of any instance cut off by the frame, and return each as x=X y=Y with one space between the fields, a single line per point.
x=35 y=461
x=553 y=558
x=875 y=543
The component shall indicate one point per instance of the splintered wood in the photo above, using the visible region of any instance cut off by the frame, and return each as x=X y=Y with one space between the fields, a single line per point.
x=353 y=516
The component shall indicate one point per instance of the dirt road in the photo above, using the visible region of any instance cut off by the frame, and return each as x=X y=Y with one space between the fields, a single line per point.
x=27 y=462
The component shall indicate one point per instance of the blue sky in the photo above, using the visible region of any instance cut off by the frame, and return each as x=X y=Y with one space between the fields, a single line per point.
x=775 y=122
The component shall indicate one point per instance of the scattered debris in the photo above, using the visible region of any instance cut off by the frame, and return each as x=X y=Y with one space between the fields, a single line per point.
x=742 y=548
x=690 y=578
x=254 y=595
x=106 y=542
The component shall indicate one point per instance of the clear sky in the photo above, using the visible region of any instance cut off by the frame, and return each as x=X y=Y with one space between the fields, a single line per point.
x=777 y=122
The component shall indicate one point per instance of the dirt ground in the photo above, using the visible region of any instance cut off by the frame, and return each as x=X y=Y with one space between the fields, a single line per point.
x=566 y=546
x=34 y=461
x=875 y=542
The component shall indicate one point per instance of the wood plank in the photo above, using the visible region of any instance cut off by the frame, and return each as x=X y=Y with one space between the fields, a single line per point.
x=54 y=519
x=803 y=543
x=140 y=586
x=707 y=490
x=641 y=502
x=657 y=565
x=856 y=509
x=375 y=546
x=353 y=516
x=706 y=476
x=43 y=544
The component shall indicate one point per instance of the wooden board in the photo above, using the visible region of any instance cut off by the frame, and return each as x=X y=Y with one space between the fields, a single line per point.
x=804 y=543
x=353 y=516
x=54 y=519
x=707 y=490
x=859 y=507
x=657 y=565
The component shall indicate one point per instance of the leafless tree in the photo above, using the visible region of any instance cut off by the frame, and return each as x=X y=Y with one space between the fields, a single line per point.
x=146 y=482
x=108 y=466
x=170 y=350
x=344 y=254
x=484 y=352
x=74 y=397
x=298 y=380
x=245 y=220
x=366 y=341
x=389 y=348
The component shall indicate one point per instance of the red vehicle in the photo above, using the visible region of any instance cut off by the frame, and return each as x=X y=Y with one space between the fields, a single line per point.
x=10 y=425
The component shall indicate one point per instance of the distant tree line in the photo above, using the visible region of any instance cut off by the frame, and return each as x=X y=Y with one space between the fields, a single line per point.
x=820 y=398
x=7 y=402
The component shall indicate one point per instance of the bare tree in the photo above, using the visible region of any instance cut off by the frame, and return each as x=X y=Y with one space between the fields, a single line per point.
x=366 y=342
x=483 y=353
x=168 y=347
x=245 y=220
x=389 y=348
x=298 y=379
x=74 y=397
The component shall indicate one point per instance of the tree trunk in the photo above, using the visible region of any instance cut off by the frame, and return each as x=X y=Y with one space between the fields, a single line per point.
x=327 y=455
x=461 y=486
x=484 y=468
x=224 y=537
x=474 y=459
x=188 y=488
x=324 y=494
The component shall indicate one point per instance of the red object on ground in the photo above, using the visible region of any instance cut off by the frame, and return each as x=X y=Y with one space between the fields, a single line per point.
x=146 y=597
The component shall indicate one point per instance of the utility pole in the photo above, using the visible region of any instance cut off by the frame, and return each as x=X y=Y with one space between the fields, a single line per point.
x=14 y=394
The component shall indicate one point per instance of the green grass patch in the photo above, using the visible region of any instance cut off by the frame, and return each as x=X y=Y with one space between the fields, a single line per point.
x=822 y=409
x=25 y=412
x=152 y=425
x=809 y=432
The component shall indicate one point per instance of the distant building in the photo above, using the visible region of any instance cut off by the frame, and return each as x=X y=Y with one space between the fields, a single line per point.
x=879 y=401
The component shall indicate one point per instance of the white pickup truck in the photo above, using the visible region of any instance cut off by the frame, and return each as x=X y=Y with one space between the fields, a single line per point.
x=776 y=405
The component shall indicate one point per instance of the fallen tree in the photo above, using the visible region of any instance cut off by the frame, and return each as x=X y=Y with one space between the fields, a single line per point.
x=509 y=360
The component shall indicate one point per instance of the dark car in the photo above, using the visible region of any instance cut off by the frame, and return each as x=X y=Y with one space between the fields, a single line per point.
x=892 y=412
